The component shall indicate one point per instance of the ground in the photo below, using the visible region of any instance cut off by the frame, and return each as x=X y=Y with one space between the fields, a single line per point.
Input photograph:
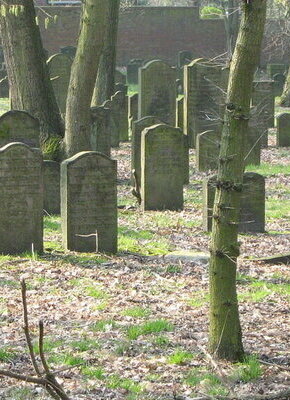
x=134 y=326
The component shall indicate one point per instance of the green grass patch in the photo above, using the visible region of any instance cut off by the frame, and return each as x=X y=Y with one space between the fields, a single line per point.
x=6 y=354
x=179 y=357
x=96 y=292
x=84 y=344
x=260 y=290
x=269 y=169
x=48 y=345
x=198 y=376
x=66 y=359
x=248 y=370
x=277 y=209
x=104 y=325
x=9 y=283
x=51 y=224
x=136 y=312
x=148 y=244
x=161 y=341
x=199 y=299
x=160 y=325
x=93 y=372
x=115 y=382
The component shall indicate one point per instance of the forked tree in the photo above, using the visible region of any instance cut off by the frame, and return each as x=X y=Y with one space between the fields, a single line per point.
x=225 y=336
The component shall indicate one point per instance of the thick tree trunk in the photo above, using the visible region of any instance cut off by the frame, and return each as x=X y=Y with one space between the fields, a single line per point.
x=285 y=97
x=225 y=338
x=30 y=86
x=83 y=76
x=105 y=82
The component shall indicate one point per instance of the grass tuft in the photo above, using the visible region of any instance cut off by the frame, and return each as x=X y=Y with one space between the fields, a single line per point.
x=161 y=325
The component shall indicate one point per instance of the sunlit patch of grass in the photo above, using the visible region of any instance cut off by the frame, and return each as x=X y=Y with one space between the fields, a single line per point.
x=199 y=299
x=51 y=224
x=277 y=209
x=161 y=341
x=93 y=372
x=66 y=359
x=115 y=381
x=147 y=243
x=161 y=325
x=104 y=325
x=84 y=344
x=179 y=357
x=132 y=89
x=136 y=312
x=199 y=376
x=52 y=245
x=96 y=292
x=269 y=169
x=6 y=354
x=173 y=269
x=260 y=290
x=9 y=283
x=249 y=370
x=48 y=345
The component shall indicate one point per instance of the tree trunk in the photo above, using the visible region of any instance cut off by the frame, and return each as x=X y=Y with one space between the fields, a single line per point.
x=285 y=97
x=83 y=76
x=225 y=337
x=30 y=86
x=105 y=82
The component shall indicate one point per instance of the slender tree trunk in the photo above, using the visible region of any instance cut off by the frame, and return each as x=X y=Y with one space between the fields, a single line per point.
x=30 y=86
x=83 y=76
x=105 y=82
x=285 y=97
x=225 y=337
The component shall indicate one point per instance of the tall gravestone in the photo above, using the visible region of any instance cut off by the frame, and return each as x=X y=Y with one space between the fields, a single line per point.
x=263 y=97
x=21 y=197
x=283 y=130
x=162 y=168
x=204 y=97
x=119 y=107
x=132 y=71
x=89 y=203
x=19 y=126
x=114 y=125
x=51 y=183
x=256 y=137
x=207 y=150
x=179 y=112
x=137 y=128
x=59 y=66
x=132 y=111
x=252 y=208
x=157 y=91
x=101 y=126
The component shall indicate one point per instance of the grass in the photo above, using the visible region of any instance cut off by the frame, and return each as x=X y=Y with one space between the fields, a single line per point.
x=248 y=370
x=144 y=242
x=197 y=376
x=93 y=372
x=6 y=354
x=260 y=290
x=48 y=345
x=105 y=325
x=269 y=169
x=199 y=299
x=136 y=312
x=51 y=224
x=160 y=325
x=84 y=344
x=65 y=359
x=179 y=357
x=115 y=381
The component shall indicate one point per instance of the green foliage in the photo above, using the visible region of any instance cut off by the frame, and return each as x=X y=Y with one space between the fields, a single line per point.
x=115 y=381
x=161 y=341
x=104 y=325
x=48 y=345
x=179 y=357
x=160 y=325
x=84 y=344
x=248 y=370
x=6 y=354
x=211 y=12
x=136 y=312
x=93 y=372
x=52 y=148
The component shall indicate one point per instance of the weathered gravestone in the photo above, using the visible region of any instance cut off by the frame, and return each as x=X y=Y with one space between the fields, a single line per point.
x=69 y=51
x=256 y=138
x=157 y=91
x=19 y=126
x=137 y=129
x=162 y=168
x=204 y=97
x=121 y=87
x=101 y=126
x=132 y=111
x=21 y=197
x=120 y=77
x=89 y=203
x=279 y=81
x=184 y=57
x=4 y=84
x=263 y=97
x=51 y=183
x=283 y=130
x=132 y=71
x=273 y=69
x=207 y=150
x=119 y=107
x=179 y=112
x=114 y=124
x=59 y=66
x=252 y=208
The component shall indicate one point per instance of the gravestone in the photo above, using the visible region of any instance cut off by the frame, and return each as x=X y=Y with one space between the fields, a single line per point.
x=207 y=150
x=184 y=57
x=21 y=197
x=51 y=184
x=279 y=81
x=283 y=130
x=119 y=107
x=137 y=129
x=59 y=67
x=162 y=168
x=132 y=111
x=120 y=77
x=19 y=126
x=179 y=112
x=179 y=87
x=113 y=122
x=273 y=69
x=69 y=51
x=132 y=71
x=121 y=87
x=254 y=139
x=204 y=97
x=263 y=97
x=4 y=84
x=252 y=214
x=101 y=130
x=89 y=203
x=157 y=91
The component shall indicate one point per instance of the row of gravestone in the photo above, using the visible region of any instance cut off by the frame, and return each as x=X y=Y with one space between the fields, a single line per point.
x=87 y=184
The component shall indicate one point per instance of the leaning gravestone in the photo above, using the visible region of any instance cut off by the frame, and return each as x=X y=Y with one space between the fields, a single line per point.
x=204 y=97
x=132 y=111
x=263 y=97
x=19 y=126
x=252 y=215
x=162 y=168
x=137 y=128
x=157 y=91
x=51 y=183
x=59 y=66
x=283 y=130
x=21 y=211
x=101 y=130
x=132 y=71
x=207 y=150
x=89 y=203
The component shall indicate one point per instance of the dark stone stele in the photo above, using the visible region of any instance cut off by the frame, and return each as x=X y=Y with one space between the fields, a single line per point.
x=101 y=126
x=157 y=95
x=119 y=107
x=252 y=209
x=19 y=126
x=51 y=183
x=263 y=97
x=283 y=130
x=207 y=150
x=184 y=57
x=132 y=111
x=162 y=168
x=21 y=197
x=132 y=71
x=179 y=112
x=89 y=203
x=120 y=77
x=69 y=51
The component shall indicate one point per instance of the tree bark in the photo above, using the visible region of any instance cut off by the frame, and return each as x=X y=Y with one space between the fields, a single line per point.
x=285 y=97
x=105 y=82
x=30 y=86
x=83 y=76
x=225 y=337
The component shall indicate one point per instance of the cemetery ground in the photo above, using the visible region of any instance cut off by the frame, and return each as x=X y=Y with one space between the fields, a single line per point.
x=134 y=325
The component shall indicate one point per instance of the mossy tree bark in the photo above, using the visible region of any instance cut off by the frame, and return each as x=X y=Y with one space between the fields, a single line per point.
x=105 y=82
x=225 y=337
x=30 y=86
x=83 y=76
